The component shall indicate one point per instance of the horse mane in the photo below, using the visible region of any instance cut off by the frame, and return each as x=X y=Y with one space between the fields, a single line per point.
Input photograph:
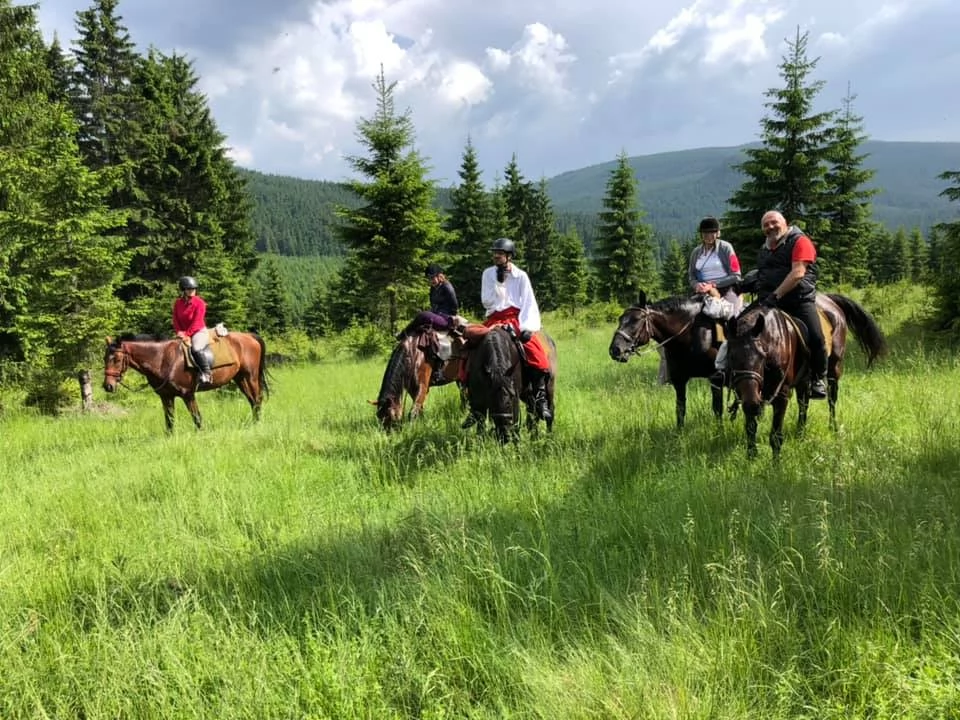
x=686 y=304
x=141 y=337
x=398 y=367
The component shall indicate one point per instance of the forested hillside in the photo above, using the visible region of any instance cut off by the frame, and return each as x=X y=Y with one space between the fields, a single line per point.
x=295 y=217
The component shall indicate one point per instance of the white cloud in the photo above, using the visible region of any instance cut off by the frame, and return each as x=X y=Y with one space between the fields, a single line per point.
x=562 y=84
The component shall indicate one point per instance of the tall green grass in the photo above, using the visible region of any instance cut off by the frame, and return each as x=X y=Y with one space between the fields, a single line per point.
x=312 y=567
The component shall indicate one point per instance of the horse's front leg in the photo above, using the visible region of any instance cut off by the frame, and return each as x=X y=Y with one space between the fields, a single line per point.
x=422 y=389
x=716 y=393
x=803 y=405
x=779 y=404
x=190 y=400
x=751 y=419
x=168 y=410
x=680 y=386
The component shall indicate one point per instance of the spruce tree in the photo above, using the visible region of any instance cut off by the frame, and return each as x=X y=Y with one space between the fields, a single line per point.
x=842 y=250
x=59 y=262
x=788 y=171
x=948 y=292
x=516 y=197
x=396 y=228
x=918 y=257
x=540 y=256
x=471 y=230
x=623 y=252
x=572 y=272
x=673 y=270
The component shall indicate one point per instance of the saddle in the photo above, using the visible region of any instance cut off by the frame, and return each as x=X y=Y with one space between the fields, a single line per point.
x=222 y=351
x=825 y=327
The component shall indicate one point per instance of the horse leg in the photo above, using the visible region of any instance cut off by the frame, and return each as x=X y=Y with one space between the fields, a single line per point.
x=680 y=386
x=751 y=417
x=168 y=410
x=779 y=404
x=190 y=400
x=833 y=391
x=424 y=372
x=251 y=391
x=716 y=393
x=803 y=403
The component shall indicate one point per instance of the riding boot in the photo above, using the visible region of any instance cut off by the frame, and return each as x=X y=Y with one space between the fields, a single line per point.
x=472 y=419
x=205 y=364
x=540 y=401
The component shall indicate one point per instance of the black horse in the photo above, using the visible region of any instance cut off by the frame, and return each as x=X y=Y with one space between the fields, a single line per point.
x=497 y=386
x=768 y=358
x=687 y=337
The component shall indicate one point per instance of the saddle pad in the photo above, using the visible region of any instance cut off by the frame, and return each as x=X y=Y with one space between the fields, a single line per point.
x=222 y=353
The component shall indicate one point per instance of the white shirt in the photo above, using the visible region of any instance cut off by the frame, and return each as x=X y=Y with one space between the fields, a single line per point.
x=515 y=291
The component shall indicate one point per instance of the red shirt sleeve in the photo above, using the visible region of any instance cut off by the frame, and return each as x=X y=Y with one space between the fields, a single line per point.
x=734 y=263
x=803 y=250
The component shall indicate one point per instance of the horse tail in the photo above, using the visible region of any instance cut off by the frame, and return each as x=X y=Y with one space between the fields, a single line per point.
x=262 y=365
x=868 y=333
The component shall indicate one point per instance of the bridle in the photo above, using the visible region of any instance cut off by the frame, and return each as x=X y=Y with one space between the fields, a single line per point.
x=757 y=377
x=117 y=375
x=648 y=327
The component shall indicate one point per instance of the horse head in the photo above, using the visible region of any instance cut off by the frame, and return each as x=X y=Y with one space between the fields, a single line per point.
x=397 y=378
x=115 y=363
x=633 y=331
x=747 y=354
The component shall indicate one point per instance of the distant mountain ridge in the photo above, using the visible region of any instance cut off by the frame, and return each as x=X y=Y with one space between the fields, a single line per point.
x=293 y=216
x=676 y=188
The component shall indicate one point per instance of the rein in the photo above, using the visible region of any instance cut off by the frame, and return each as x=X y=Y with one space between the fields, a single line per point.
x=658 y=345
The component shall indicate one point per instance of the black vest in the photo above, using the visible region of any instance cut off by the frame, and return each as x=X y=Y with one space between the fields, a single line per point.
x=773 y=266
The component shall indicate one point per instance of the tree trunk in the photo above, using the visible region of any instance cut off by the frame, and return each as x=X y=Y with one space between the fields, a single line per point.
x=86 y=390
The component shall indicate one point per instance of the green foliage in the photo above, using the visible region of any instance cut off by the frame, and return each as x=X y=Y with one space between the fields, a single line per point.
x=396 y=228
x=842 y=252
x=572 y=272
x=59 y=262
x=623 y=251
x=788 y=172
x=472 y=226
x=541 y=240
x=270 y=312
x=674 y=269
x=948 y=249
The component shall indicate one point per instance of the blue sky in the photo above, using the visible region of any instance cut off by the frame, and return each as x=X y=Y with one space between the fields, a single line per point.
x=563 y=84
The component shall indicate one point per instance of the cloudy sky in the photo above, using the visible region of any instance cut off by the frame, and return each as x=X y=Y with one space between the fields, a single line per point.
x=563 y=84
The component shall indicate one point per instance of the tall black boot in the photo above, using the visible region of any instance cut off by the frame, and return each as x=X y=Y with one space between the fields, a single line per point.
x=540 y=402
x=204 y=360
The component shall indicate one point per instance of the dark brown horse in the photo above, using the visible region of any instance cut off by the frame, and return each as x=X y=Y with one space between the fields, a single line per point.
x=687 y=337
x=498 y=385
x=410 y=370
x=767 y=358
x=239 y=357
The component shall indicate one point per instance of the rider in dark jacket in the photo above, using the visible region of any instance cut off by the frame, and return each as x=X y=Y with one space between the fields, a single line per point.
x=787 y=279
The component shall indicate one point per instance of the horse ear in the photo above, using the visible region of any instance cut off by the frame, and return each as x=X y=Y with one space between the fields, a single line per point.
x=641 y=298
x=758 y=325
x=109 y=340
x=373 y=402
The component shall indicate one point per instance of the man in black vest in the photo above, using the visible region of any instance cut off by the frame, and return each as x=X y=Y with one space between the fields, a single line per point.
x=787 y=279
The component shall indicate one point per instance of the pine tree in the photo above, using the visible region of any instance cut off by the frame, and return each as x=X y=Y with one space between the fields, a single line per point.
x=270 y=305
x=788 y=172
x=918 y=257
x=673 y=270
x=471 y=231
x=935 y=242
x=59 y=261
x=948 y=292
x=61 y=68
x=540 y=256
x=517 y=194
x=572 y=272
x=396 y=228
x=623 y=252
x=842 y=250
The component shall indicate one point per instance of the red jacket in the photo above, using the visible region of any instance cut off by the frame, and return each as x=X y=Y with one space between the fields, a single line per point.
x=189 y=315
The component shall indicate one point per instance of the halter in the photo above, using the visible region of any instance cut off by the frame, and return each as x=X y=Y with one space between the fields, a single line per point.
x=646 y=312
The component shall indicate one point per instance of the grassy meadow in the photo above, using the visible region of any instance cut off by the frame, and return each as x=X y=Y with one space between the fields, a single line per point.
x=311 y=566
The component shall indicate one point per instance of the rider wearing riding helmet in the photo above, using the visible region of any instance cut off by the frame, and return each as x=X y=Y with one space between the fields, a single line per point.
x=190 y=324
x=507 y=297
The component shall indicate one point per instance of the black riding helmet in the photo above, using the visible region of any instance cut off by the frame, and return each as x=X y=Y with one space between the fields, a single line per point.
x=709 y=224
x=187 y=283
x=504 y=245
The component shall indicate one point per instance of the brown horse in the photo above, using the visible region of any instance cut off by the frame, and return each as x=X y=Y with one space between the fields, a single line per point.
x=687 y=336
x=163 y=364
x=410 y=370
x=767 y=358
